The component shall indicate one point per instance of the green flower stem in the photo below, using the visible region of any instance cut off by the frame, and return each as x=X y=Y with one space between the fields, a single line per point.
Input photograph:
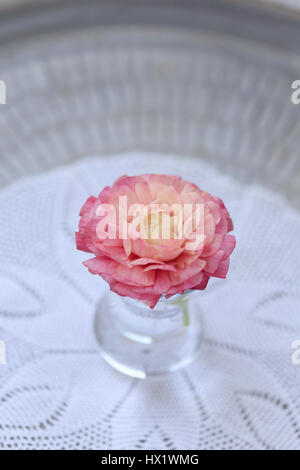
x=183 y=304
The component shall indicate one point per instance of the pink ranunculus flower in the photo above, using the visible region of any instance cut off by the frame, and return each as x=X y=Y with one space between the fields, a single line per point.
x=141 y=262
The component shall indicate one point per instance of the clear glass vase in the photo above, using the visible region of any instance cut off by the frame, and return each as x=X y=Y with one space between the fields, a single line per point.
x=141 y=342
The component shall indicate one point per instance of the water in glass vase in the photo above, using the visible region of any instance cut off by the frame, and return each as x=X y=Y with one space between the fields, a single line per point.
x=141 y=342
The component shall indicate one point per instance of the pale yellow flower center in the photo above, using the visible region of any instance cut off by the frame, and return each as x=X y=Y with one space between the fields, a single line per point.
x=160 y=226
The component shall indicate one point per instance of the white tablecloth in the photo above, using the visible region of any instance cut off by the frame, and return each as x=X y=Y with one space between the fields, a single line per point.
x=55 y=390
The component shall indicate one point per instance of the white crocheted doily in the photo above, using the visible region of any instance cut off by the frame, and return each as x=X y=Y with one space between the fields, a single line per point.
x=55 y=390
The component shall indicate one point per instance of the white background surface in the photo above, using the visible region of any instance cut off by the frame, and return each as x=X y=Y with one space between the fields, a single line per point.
x=55 y=390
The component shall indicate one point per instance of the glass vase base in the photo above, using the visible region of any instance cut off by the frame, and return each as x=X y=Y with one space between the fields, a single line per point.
x=140 y=342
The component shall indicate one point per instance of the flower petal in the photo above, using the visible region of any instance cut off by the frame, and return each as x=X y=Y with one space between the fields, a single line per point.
x=143 y=193
x=80 y=243
x=222 y=269
x=87 y=206
x=213 y=261
x=158 y=252
x=228 y=244
x=163 y=267
x=133 y=276
x=127 y=246
x=183 y=274
x=143 y=261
